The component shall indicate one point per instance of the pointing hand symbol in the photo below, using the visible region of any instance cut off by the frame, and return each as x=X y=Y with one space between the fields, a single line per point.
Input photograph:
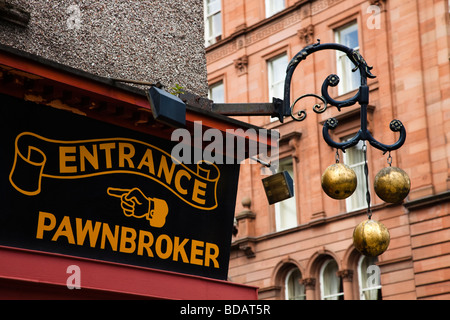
x=134 y=203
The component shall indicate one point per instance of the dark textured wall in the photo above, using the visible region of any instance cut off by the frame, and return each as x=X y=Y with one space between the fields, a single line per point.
x=147 y=40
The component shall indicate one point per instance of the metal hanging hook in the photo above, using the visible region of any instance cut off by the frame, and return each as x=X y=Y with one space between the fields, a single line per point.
x=389 y=159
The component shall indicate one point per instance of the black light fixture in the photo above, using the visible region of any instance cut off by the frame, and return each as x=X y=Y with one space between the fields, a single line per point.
x=166 y=107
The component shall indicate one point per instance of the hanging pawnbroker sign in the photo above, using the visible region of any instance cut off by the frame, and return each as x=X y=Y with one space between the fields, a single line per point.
x=77 y=186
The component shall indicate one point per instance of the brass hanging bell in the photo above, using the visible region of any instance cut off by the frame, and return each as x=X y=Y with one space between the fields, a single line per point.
x=392 y=184
x=371 y=238
x=339 y=181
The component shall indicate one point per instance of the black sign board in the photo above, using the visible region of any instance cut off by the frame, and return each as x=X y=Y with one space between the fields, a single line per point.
x=81 y=187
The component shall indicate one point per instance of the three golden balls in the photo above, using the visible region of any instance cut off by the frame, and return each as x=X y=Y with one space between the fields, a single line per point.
x=392 y=185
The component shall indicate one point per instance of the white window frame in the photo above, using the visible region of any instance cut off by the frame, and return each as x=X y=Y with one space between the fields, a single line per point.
x=349 y=80
x=301 y=296
x=274 y=6
x=211 y=34
x=363 y=289
x=219 y=85
x=334 y=296
x=286 y=210
x=275 y=85
x=357 y=200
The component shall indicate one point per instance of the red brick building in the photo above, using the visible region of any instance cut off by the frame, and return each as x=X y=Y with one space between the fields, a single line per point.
x=302 y=248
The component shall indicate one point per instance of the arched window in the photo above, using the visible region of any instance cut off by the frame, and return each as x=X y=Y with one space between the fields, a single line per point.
x=330 y=284
x=294 y=289
x=369 y=279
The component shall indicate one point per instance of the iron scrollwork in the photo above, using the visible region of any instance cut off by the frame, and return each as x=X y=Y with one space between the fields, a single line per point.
x=361 y=97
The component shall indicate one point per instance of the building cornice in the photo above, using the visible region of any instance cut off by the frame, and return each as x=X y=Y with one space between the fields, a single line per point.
x=427 y=201
x=243 y=29
x=247 y=35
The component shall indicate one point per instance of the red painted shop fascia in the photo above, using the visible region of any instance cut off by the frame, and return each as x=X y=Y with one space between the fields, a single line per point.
x=45 y=269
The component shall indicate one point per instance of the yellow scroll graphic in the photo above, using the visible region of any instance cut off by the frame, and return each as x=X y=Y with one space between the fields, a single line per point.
x=37 y=157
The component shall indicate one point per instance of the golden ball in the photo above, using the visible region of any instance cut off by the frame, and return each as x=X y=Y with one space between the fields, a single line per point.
x=339 y=181
x=371 y=238
x=392 y=184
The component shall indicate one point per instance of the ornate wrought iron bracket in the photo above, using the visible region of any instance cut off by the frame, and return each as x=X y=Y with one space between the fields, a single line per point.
x=282 y=108
x=361 y=96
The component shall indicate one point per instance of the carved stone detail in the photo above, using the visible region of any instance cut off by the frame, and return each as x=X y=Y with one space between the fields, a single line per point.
x=306 y=35
x=309 y=283
x=241 y=64
x=345 y=275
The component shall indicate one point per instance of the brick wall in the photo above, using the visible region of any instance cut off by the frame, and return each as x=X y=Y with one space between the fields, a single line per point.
x=409 y=50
